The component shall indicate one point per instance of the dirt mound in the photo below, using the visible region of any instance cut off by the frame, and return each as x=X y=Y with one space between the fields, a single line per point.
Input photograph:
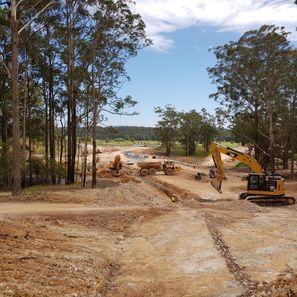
x=116 y=220
x=107 y=173
x=122 y=191
x=37 y=261
x=209 y=161
x=130 y=193
x=125 y=190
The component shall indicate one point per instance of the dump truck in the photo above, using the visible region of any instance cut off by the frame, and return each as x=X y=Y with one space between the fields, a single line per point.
x=150 y=168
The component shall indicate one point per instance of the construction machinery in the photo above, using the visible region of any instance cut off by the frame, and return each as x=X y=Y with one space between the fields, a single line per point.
x=116 y=166
x=262 y=188
x=151 y=168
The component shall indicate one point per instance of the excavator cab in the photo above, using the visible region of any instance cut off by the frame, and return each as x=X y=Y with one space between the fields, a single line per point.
x=260 y=182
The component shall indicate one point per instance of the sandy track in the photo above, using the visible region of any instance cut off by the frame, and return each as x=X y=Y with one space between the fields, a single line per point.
x=36 y=209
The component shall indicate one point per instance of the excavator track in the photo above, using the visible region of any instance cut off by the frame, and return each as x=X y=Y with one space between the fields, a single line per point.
x=271 y=200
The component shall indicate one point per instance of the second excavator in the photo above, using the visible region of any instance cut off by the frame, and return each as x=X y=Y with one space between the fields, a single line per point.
x=116 y=166
x=262 y=188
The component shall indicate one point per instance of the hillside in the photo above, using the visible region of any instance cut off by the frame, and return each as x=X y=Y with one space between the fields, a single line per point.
x=126 y=132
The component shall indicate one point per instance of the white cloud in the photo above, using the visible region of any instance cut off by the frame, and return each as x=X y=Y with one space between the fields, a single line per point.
x=166 y=16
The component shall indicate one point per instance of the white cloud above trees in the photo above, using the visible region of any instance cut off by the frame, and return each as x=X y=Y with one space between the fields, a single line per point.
x=166 y=16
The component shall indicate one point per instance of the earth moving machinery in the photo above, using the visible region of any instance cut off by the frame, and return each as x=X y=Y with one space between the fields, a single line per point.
x=116 y=166
x=262 y=188
x=150 y=168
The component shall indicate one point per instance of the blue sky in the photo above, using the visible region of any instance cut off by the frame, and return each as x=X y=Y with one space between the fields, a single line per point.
x=173 y=71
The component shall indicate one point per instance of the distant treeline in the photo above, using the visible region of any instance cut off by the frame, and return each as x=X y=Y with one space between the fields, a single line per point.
x=123 y=132
x=144 y=133
x=126 y=132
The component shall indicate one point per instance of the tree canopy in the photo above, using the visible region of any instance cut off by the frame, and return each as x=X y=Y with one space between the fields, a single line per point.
x=254 y=78
x=71 y=62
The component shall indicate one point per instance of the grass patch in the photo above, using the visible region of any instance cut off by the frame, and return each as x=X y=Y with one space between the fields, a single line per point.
x=229 y=144
x=241 y=165
x=45 y=189
x=123 y=142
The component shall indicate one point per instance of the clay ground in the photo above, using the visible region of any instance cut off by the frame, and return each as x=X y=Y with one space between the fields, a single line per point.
x=127 y=238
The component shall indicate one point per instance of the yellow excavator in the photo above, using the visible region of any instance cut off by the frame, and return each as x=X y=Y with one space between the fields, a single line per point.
x=116 y=166
x=262 y=188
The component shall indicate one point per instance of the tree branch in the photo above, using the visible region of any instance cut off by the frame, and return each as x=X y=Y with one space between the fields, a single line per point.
x=6 y=68
x=120 y=113
x=255 y=144
x=19 y=3
x=36 y=16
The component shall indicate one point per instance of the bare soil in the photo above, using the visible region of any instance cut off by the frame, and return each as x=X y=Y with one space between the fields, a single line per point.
x=127 y=238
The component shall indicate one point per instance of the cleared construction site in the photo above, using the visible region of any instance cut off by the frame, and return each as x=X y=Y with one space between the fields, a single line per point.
x=153 y=235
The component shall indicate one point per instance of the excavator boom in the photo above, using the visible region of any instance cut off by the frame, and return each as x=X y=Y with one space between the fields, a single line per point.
x=216 y=150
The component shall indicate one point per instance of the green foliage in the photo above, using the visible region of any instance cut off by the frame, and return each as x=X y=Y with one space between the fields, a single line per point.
x=207 y=130
x=72 y=63
x=125 y=132
x=190 y=130
x=167 y=127
x=241 y=165
x=256 y=82
x=39 y=173
x=5 y=160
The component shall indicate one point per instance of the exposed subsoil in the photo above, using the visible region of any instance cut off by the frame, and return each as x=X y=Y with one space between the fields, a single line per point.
x=169 y=236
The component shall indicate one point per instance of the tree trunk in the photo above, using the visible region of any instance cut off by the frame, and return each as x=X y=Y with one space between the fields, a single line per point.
x=286 y=157
x=26 y=90
x=95 y=111
x=292 y=167
x=52 y=123
x=16 y=156
x=45 y=98
x=5 y=146
x=168 y=149
x=30 y=147
x=78 y=158
x=293 y=138
x=271 y=138
x=84 y=165
x=61 y=150
x=71 y=112
x=257 y=150
x=65 y=157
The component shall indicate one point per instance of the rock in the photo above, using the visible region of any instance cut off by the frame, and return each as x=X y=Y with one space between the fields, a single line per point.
x=294 y=291
x=8 y=293
x=282 y=295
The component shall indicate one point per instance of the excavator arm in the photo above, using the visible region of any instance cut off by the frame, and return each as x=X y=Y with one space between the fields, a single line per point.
x=216 y=150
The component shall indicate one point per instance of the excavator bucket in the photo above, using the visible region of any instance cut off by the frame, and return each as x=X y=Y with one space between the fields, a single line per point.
x=217 y=185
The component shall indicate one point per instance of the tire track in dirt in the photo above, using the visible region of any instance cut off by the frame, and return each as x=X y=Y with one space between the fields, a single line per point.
x=241 y=277
x=112 y=274
x=238 y=271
